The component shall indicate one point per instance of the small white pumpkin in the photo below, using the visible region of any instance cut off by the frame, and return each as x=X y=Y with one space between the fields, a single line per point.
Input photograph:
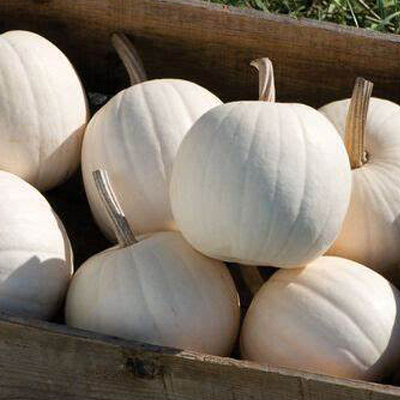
x=334 y=316
x=135 y=137
x=43 y=110
x=158 y=290
x=371 y=231
x=36 y=260
x=261 y=183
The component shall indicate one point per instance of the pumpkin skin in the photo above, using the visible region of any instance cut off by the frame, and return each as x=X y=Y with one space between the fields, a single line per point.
x=135 y=137
x=261 y=184
x=158 y=291
x=36 y=261
x=44 y=110
x=370 y=232
x=334 y=316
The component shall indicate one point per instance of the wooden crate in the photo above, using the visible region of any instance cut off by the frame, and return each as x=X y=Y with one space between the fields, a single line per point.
x=213 y=46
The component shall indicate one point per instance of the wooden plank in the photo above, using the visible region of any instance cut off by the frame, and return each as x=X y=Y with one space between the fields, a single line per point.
x=41 y=361
x=315 y=63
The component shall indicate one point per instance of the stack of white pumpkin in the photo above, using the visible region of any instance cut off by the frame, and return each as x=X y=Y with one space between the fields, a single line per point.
x=264 y=183
x=157 y=290
x=252 y=182
x=42 y=121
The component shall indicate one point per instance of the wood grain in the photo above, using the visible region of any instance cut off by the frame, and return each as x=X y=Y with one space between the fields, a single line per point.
x=42 y=361
x=314 y=63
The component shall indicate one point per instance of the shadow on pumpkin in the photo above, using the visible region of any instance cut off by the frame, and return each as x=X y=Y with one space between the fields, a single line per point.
x=392 y=351
x=69 y=149
x=35 y=288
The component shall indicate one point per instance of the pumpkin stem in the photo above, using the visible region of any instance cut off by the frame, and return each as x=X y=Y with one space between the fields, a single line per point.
x=252 y=278
x=354 y=138
x=266 y=79
x=122 y=230
x=130 y=57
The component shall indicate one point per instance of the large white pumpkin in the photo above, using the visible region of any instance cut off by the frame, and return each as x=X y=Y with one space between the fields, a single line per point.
x=159 y=291
x=35 y=254
x=43 y=110
x=261 y=183
x=135 y=137
x=334 y=316
x=371 y=230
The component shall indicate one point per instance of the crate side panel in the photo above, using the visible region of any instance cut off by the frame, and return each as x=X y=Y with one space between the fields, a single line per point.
x=46 y=361
x=211 y=45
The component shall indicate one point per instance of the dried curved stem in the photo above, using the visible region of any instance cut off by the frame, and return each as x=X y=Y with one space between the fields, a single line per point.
x=130 y=58
x=266 y=78
x=354 y=138
x=266 y=81
x=122 y=230
x=252 y=278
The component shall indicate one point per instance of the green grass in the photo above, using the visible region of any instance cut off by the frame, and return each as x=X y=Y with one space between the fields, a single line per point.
x=378 y=15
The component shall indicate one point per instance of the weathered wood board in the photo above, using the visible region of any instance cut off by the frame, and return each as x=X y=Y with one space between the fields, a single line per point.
x=315 y=63
x=43 y=361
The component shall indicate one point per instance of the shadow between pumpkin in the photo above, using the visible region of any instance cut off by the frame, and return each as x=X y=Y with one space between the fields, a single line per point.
x=34 y=289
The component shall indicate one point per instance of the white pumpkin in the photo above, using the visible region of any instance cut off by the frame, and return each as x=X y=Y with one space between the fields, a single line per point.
x=334 y=316
x=371 y=230
x=158 y=291
x=135 y=137
x=36 y=260
x=261 y=183
x=43 y=110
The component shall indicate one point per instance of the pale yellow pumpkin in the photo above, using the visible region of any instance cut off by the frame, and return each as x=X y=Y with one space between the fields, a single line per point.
x=159 y=291
x=371 y=231
x=135 y=137
x=43 y=110
x=261 y=183
x=36 y=261
x=334 y=316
